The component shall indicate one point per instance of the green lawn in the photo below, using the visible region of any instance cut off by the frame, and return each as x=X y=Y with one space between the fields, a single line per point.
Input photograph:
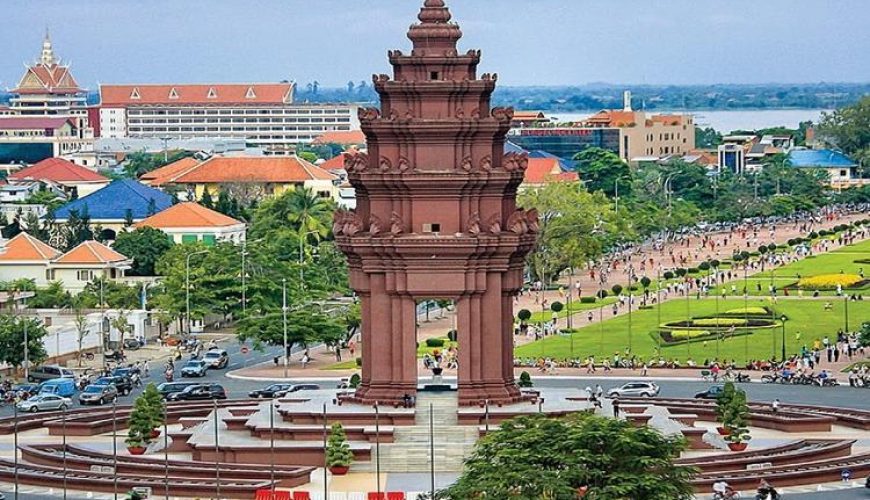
x=576 y=307
x=805 y=316
x=842 y=259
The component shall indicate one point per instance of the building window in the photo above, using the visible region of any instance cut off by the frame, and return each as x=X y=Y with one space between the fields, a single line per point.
x=85 y=276
x=431 y=228
x=434 y=75
x=49 y=274
x=324 y=194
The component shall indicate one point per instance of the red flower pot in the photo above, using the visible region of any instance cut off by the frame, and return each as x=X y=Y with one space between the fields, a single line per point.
x=338 y=470
x=155 y=433
x=737 y=446
x=722 y=431
x=136 y=450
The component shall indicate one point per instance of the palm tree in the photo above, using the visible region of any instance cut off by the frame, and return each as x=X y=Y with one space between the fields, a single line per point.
x=309 y=212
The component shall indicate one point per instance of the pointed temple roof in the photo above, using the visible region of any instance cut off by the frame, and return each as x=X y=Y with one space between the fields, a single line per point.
x=26 y=248
x=47 y=75
x=435 y=31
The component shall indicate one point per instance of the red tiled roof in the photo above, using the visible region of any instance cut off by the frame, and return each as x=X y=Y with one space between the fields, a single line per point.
x=273 y=169
x=612 y=117
x=182 y=94
x=57 y=170
x=187 y=214
x=90 y=252
x=21 y=123
x=335 y=163
x=341 y=137
x=160 y=176
x=24 y=247
x=544 y=170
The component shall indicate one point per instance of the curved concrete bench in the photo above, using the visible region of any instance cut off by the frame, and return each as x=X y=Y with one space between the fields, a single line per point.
x=807 y=450
x=51 y=477
x=135 y=466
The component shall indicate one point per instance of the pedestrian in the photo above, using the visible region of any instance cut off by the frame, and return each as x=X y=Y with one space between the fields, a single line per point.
x=615 y=402
x=146 y=368
x=305 y=359
x=775 y=405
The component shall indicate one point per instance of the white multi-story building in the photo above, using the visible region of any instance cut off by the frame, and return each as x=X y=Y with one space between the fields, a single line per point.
x=263 y=115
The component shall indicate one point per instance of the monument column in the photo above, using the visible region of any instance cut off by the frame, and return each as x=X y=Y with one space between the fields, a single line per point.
x=436 y=216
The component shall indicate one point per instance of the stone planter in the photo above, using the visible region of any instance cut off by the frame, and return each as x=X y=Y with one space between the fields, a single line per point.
x=338 y=470
x=723 y=431
x=736 y=446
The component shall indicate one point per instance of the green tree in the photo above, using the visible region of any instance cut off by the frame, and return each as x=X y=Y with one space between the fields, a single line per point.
x=12 y=339
x=575 y=226
x=540 y=457
x=707 y=137
x=115 y=295
x=601 y=169
x=206 y=200
x=848 y=129
x=145 y=245
x=304 y=326
x=77 y=229
x=299 y=209
x=45 y=197
x=50 y=297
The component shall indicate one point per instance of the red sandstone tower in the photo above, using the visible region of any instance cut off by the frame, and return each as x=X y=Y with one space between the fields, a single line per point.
x=436 y=217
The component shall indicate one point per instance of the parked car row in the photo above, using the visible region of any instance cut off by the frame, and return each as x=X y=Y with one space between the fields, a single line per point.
x=191 y=391
x=281 y=390
x=57 y=393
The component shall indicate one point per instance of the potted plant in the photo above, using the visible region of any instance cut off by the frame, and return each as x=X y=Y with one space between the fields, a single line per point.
x=156 y=408
x=736 y=420
x=141 y=426
x=722 y=403
x=525 y=380
x=135 y=444
x=338 y=454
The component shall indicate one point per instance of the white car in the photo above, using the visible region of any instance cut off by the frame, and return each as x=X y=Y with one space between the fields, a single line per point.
x=43 y=402
x=635 y=389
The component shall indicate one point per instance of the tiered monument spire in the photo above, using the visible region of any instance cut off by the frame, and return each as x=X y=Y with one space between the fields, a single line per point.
x=436 y=217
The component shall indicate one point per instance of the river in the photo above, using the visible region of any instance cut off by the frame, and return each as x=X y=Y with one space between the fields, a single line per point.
x=726 y=121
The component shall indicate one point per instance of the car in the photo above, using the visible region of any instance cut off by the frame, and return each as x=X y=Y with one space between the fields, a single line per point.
x=65 y=387
x=270 y=391
x=123 y=384
x=167 y=388
x=48 y=372
x=634 y=389
x=26 y=389
x=194 y=368
x=867 y=482
x=131 y=373
x=302 y=387
x=132 y=344
x=199 y=392
x=713 y=392
x=44 y=402
x=216 y=358
x=98 y=394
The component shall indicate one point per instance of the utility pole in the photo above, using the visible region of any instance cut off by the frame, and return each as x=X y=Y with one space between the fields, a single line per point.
x=284 y=319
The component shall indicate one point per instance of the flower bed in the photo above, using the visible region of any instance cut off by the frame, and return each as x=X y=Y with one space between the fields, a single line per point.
x=831 y=281
x=668 y=337
x=749 y=311
x=720 y=322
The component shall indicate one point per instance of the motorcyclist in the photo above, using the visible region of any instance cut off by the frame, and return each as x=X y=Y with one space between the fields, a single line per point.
x=766 y=491
x=723 y=491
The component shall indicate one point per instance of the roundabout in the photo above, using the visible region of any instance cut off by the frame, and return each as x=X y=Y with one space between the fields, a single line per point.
x=234 y=448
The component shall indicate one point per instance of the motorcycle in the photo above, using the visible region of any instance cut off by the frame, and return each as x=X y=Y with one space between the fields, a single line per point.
x=768 y=493
x=724 y=491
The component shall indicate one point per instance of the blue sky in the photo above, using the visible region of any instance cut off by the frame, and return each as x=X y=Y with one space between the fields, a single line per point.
x=528 y=42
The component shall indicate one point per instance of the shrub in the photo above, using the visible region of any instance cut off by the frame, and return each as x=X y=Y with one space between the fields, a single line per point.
x=452 y=335
x=813 y=235
x=688 y=334
x=358 y=362
x=704 y=266
x=616 y=289
x=525 y=380
x=681 y=271
x=557 y=306
x=693 y=270
x=524 y=315
x=751 y=310
x=668 y=275
x=719 y=322
x=338 y=452
x=715 y=263
x=829 y=281
x=434 y=342
x=602 y=294
x=588 y=300
x=633 y=288
x=645 y=282
x=354 y=381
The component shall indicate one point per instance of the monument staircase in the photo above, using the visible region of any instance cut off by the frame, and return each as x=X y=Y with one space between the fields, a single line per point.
x=410 y=451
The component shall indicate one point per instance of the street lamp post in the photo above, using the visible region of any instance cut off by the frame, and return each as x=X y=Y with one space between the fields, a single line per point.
x=187 y=286
x=783 y=319
x=284 y=320
x=244 y=283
